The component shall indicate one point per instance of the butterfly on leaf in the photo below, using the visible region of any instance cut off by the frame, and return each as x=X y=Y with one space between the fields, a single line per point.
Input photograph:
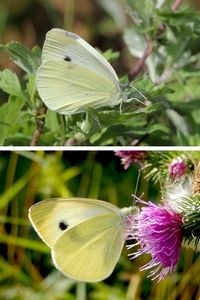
x=74 y=76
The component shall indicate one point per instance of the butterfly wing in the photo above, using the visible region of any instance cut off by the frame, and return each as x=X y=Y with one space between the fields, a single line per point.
x=73 y=75
x=89 y=251
x=50 y=217
x=66 y=87
x=64 y=45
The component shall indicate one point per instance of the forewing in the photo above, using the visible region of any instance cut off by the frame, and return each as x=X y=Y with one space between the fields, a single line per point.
x=65 y=45
x=68 y=88
x=49 y=217
x=89 y=251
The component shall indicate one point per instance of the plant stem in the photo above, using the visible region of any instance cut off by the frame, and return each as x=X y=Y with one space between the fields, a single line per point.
x=40 y=121
x=136 y=69
x=176 y=4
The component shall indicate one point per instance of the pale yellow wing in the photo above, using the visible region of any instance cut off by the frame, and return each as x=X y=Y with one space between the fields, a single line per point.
x=64 y=45
x=50 y=218
x=68 y=88
x=89 y=251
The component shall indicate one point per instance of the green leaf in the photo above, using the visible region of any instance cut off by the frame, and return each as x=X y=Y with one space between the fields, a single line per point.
x=27 y=60
x=31 y=88
x=9 y=112
x=10 y=84
x=186 y=18
x=110 y=55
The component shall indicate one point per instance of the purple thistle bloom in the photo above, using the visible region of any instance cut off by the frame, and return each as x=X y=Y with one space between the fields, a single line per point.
x=177 y=168
x=158 y=232
x=130 y=157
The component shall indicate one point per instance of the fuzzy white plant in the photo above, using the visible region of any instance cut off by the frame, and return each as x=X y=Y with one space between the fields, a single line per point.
x=177 y=191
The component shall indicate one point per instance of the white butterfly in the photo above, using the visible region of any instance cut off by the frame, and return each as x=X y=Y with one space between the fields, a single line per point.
x=86 y=236
x=73 y=75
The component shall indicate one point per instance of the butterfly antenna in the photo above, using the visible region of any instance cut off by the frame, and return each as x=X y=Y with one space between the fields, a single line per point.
x=141 y=94
x=137 y=199
x=124 y=86
x=140 y=101
x=137 y=182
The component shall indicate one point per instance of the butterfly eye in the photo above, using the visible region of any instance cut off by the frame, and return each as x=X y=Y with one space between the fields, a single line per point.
x=67 y=58
x=63 y=225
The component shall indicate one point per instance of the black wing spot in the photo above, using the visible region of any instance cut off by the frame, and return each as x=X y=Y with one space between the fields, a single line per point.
x=63 y=225
x=67 y=58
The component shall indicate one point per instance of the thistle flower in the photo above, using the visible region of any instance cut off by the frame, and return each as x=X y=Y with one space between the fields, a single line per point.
x=158 y=232
x=177 y=168
x=130 y=157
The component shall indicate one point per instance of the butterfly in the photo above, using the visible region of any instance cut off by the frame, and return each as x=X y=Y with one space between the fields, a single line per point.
x=86 y=236
x=74 y=76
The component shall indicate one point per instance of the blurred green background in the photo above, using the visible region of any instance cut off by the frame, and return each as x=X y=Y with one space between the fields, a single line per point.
x=100 y=22
x=28 y=21
x=26 y=270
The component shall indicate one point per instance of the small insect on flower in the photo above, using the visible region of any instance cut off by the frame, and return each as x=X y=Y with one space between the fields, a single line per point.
x=177 y=168
x=158 y=232
x=130 y=157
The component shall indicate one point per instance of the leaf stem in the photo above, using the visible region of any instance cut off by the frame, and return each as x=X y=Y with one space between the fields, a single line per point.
x=136 y=69
x=40 y=121
x=176 y=4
